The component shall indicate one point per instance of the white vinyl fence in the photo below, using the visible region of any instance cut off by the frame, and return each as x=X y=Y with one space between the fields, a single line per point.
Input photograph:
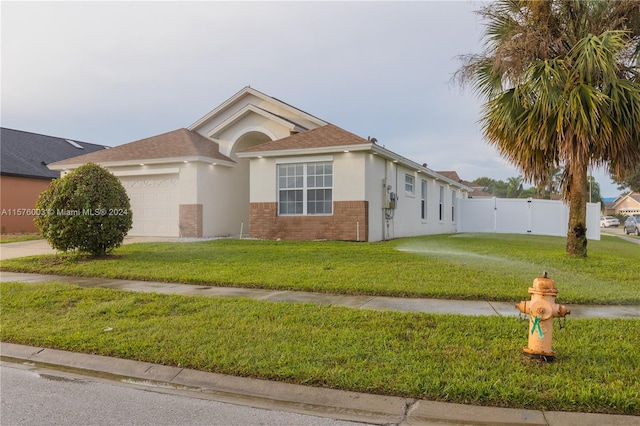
x=522 y=216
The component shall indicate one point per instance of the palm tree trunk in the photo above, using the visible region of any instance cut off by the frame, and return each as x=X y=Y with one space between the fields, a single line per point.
x=577 y=197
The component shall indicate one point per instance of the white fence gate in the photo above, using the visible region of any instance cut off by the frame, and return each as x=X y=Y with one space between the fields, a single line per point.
x=522 y=216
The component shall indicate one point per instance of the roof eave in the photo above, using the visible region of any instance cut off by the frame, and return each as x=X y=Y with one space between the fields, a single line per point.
x=148 y=161
x=243 y=112
x=28 y=176
x=305 y=151
x=390 y=155
x=260 y=95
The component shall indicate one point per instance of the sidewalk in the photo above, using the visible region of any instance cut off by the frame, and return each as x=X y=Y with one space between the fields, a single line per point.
x=437 y=306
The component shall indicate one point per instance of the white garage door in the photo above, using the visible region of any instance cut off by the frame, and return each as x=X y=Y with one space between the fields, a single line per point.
x=154 y=203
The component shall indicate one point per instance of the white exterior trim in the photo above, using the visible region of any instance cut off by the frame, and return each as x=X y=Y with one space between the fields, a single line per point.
x=304 y=151
x=146 y=172
x=305 y=159
x=246 y=130
x=248 y=109
x=150 y=161
x=248 y=90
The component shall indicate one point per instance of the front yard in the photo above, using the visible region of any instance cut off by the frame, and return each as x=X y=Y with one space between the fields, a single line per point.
x=454 y=358
x=459 y=266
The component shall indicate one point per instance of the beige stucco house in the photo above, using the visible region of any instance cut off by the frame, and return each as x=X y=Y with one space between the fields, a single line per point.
x=258 y=167
x=627 y=204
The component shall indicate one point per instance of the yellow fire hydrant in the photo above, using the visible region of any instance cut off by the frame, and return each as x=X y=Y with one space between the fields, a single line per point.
x=542 y=309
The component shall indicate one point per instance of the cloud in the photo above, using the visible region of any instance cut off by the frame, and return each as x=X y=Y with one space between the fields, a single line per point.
x=114 y=72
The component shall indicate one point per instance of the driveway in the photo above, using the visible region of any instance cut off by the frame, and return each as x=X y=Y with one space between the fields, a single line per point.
x=618 y=232
x=37 y=247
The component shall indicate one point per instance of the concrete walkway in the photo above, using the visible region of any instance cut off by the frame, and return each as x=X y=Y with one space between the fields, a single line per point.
x=38 y=247
x=437 y=306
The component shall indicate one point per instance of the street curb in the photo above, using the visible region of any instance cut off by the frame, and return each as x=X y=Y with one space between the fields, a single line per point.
x=323 y=402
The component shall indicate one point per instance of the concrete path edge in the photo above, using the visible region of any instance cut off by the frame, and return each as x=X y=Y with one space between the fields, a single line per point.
x=323 y=402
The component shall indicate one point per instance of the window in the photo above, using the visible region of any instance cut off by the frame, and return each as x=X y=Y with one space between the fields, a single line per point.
x=441 y=205
x=305 y=188
x=423 y=200
x=453 y=206
x=408 y=184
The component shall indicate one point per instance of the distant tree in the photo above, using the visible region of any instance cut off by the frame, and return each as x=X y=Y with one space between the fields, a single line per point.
x=484 y=181
x=551 y=184
x=530 y=192
x=561 y=80
x=514 y=187
x=593 y=191
x=630 y=181
x=87 y=210
x=496 y=187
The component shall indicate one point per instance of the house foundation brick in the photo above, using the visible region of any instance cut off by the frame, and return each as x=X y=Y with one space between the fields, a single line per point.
x=349 y=222
x=190 y=220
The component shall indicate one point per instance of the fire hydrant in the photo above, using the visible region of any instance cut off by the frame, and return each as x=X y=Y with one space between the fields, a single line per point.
x=542 y=309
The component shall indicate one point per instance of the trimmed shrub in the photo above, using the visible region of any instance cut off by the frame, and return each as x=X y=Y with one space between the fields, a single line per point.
x=87 y=210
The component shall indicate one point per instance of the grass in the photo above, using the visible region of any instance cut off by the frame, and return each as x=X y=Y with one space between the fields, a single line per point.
x=458 y=266
x=473 y=360
x=14 y=238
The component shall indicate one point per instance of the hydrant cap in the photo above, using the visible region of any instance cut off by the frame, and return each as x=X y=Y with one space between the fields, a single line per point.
x=543 y=284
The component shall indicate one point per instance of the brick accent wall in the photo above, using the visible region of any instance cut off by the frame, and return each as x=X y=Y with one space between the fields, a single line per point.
x=190 y=220
x=349 y=222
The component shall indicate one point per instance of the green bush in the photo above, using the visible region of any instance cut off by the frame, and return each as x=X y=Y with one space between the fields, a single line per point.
x=87 y=210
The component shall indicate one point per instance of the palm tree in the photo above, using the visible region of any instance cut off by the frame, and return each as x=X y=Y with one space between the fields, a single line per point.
x=561 y=79
x=593 y=191
x=514 y=186
x=551 y=184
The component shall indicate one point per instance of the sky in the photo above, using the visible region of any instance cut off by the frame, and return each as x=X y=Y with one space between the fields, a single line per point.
x=115 y=72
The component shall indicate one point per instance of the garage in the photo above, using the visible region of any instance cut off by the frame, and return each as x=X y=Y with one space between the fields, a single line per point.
x=154 y=203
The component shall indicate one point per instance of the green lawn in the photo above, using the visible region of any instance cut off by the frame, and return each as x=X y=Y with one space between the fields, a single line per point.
x=455 y=358
x=458 y=266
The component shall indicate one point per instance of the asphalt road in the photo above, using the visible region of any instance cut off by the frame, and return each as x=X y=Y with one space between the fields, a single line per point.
x=31 y=396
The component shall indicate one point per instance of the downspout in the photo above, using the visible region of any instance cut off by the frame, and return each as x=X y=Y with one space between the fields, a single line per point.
x=384 y=200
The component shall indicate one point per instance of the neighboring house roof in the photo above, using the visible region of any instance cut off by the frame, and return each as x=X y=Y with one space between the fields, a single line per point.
x=479 y=193
x=176 y=144
x=451 y=175
x=321 y=137
x=477 y=190
x=626 y=203
x=28 y=154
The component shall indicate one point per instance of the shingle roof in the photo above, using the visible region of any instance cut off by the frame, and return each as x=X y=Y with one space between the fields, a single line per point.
x=27 y=154
x=453 y=175
x=321 y=137
x=177 y=143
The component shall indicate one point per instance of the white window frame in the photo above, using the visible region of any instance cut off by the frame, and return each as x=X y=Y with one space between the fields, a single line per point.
x=441 y=204
x=409 y=184
x=453 y=206
x=423 y=200
x=304 y=186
